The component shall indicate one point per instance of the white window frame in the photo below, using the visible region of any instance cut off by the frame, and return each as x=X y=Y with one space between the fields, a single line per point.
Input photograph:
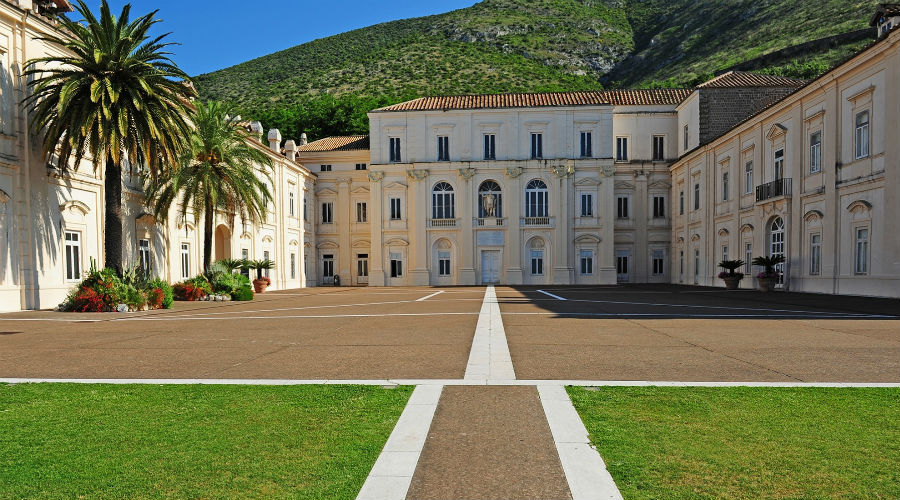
x=778 y=164
x=586 y=208
x=659 y=206
x=396 y=207
x=185 y=260
x=815 y=254
x=621 y=149
x=861 y=249
x=490 y=146
x=327 y=212
x=659 y=148
x=444 y=264
x=815 y=152
x=586 y=262
x=73 y=254
x=748 y=177
x=622 y=206
x=537 y=262
x=443 y=201
x=658 y=262
x=443 y=148
x=394 y=150
x=291 y=207
x=587 y=149
x=537 y=199
x=861 y=136
x=725 y=186
x=362 y=212
x=145 y=256
x=537 y=145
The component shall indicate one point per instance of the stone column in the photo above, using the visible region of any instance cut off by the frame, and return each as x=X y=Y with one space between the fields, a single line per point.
x=606 y=207
x=417 y=212
x=563 y=272
x=513 y=257
x=466 y=203
x=376 y=223
x=640 y=258
x=343 y=217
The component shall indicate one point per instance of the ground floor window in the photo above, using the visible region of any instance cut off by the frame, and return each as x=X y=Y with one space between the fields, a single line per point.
x=815 y=253
x=622 y=264
x=293 y=266
x=443 y=263
x=586 y=258
x=537 y=262
x=696 y=267
x=245 y=255
x=681 y=266
x=724 y=252
x=396 y=265
x=748 y=257
x=327 y=266
x=185 y=260
x=362 y=265
x=73 y=255
x=862 y=251
x=144 y=255
x=266 y=257
x=658 y=262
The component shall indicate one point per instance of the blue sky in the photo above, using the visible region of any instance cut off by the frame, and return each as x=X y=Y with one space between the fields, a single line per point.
x=215 y=35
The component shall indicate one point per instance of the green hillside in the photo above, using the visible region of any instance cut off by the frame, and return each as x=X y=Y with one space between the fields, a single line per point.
x=326 y=85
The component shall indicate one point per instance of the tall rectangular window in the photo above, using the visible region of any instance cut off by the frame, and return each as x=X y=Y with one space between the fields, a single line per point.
x=444 y=264
x=396 y=265
x=659 y=148
x=696 y=267
x=622 y=207
x=443 y=148
x=305 y=210
x=327 y=213
x=659 y=207
x=291 y=208
x=748 y=177
x=862 y=134
x=144 y=255
x=185 y=260
x=621 y=149
x=324 y=168
x=362 y=166
x=293 y=266
x=815 y=253
x=779 y=164
x=586 y=259
x=537 y=262
x=686 y=137
x=73 y=255
x=394 y=149
x=748 y=257
x=659 y=262
x=245 y=254
x=862 y=251
x=362 y=265
x=266 y=256
x=537 y=145
x=587 y=205
x=361 y=212
x=815 y=152
x=328 y=266
x=681 y=202
x=724 y=252
x=724 y=186
x=395 y=209
x=697 y=196
x=490 y=147
x=586 y=145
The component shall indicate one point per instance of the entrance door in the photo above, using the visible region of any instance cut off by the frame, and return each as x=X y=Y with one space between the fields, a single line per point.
x=776 y=246
x=490 y=266
x=362 y=269
x=623 y=258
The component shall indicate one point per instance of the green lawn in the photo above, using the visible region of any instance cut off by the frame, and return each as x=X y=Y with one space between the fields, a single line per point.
x=72 y=441
x=755 y=443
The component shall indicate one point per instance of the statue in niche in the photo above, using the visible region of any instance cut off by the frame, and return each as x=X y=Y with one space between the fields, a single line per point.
x=489 y=204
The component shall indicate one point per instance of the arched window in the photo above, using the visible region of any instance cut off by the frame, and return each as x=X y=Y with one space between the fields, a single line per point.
x=776 y=245
x=490 y=200
x=443 y=204
x=536 y=199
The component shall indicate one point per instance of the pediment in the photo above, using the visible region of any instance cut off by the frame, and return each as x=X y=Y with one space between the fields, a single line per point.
x=4 y=197
x=660 y=185
x=326 y=192
x=327 y=245
x=294 y=243
x=267 y=239
x=588 y=181
x=397 y=242
x=362 y=244
x=695 y=237
x=747 y=228
x=624 y=185
x=723 y=233
x=74 y=206
x=775 y=131
x=395 y=185
x=360 y=190
x=145 y=218
x=813 y=216
x=587 y=238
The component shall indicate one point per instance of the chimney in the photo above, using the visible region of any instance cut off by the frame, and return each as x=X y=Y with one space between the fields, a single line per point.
x=256 y=129
x=275 y=140
x=303 y=140
x=290 y=149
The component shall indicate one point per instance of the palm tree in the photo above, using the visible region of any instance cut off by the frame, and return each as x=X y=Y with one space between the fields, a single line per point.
x=114 y=97
x=218 y=174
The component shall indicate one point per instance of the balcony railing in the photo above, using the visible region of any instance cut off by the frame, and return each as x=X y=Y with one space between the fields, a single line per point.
x=489 y=222
x=536 y=221
x=440 y=223
x=774 y=189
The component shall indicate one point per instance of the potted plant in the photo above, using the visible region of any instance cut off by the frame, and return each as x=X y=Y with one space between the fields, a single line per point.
x=731 y=278
x=261 y=282
x=769 y=276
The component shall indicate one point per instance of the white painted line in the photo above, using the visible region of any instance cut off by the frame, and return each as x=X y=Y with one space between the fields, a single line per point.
x=423 y=299
x=392 y=473
x=557 y=297
x=760 y=316
x=584 y=468
x=489 y=358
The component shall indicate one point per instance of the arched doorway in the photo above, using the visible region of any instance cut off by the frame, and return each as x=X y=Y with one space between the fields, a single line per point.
x=776 y=245
x=222 y=243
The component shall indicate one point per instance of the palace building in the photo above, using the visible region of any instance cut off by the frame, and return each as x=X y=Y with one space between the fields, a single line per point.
x=593 y=188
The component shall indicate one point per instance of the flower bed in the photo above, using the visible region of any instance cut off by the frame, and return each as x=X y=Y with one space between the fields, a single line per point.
x=104 y=291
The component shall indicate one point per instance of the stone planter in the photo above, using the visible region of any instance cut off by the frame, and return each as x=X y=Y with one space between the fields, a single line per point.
x=766 y=284
x=732 y=282
x=259 y=286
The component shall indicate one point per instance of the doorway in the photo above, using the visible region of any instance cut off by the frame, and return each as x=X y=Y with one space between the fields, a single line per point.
x=490 y=266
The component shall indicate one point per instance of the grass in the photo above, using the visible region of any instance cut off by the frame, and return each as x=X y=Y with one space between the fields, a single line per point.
x=746 y=443
x=72 y=441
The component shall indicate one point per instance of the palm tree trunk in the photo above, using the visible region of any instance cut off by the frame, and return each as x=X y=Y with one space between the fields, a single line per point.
x=113 y=217
x=207 y=235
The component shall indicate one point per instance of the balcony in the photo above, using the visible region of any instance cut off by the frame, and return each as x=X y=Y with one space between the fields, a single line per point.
x=489 y=222
x=774 y=189
x=536 y=221
x=440 y=223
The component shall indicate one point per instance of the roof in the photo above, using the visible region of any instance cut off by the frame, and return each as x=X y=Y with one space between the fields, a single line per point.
x=339 y=143
x=743 y=79
x=639 y=97
x=886 y=10
x=542 y=99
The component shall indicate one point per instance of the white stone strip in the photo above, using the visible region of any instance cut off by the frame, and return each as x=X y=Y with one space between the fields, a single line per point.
x=489 y=358
x=423 y=299
x=392 y=473
x=557 y=297
x=584 y=468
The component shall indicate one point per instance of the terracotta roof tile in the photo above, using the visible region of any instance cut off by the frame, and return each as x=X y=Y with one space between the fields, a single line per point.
x=744 y=79
x=341 y=143
x=542 y=99
x=643 y=97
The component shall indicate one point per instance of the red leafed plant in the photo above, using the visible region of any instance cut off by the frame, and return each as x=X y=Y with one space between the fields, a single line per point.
x=189 y=292
x=88 y=300
x=155 y=298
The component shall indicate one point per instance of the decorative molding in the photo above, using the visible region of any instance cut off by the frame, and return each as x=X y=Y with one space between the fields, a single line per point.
x=608 y=170
x=817 y=114
x=467 y=173
x=375 y=175
x=361 y=244
x=514 y=172
x=746 y=228
x=681 y=240
x=75 y=205
x=267 y=239
x=563 y=171
x=398 y=242
x=145 y=218
x=813 y=216
x=588 y=181
x=4 y=197
x=246 y=236
x=859 y=208
x=723 y=233
x=775 y=131
x=587 y=238
x=360 y=190
x=417 y=174
x=536 y=242
x=326 y=191
x=695 y=237
x=294 y=243
x=862 y=93
x=327 y=245
x=659 y=185
x=624 y=185
x=443 y=244
x=395 y=185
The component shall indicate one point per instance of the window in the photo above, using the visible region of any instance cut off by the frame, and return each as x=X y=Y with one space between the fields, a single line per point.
x=324 y=168
x=327 y=213
x=659 y=148
x=862 y=134
x=697 y=196
x=362 y=214
x=73 y=255
x=815 y=152
x=537 y=145
x=779 y=164
x=681 y=265
x=144 y=255
x=394 y=151
x=815 y=253
x=245 y=254
x=681 y=203
x=185 y=260
x=490 y=147
x=586 y=146
x=587 y=205
x=266 y=257
x=621 y=149
x=362 y=166
x=776 y=245
x=362 y=265
x=724 y=186
x=536 y=199
x=395 y=209
x=724 y=252
x=658 y=262
x=537 y=262
x=748 y=177
x=396 y=266
x=586 y=259
x=443 y=148
x=622 y=262
x=305 y=210
x=443 y=202
x=696 y=267
x=748 y=257
x=622 y=207
x=444 y=264
x=659 y=207
x=686 y=137
x=291 y=209
x=490 y=198
x=328 y=266
x=293 y=266
x=862 y=251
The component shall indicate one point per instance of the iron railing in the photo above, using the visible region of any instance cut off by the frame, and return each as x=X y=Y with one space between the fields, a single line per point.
x=774 y=189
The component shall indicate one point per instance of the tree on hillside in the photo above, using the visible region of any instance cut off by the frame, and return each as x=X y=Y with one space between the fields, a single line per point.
x=219 y=173
x=115 y=97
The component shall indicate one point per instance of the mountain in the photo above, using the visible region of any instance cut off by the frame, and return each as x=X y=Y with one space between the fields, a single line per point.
x=537 y=45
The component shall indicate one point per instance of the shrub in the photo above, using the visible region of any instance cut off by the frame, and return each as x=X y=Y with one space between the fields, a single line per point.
x=102 y=290
x=228 y=283
x=243 y=293
x=161 y=286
